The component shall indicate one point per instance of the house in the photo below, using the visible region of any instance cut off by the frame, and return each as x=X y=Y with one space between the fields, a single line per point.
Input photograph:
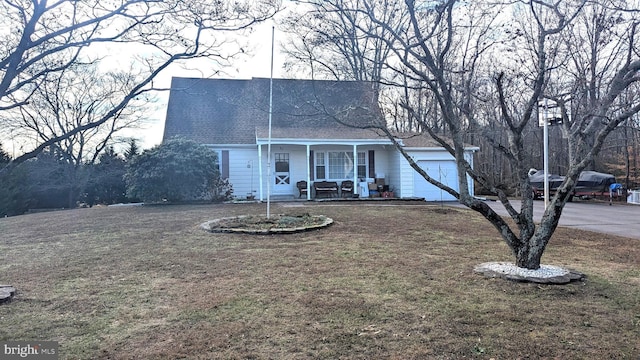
x=316 y=135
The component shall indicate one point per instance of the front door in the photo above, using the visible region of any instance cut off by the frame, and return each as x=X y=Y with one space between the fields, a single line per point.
x=282 y=176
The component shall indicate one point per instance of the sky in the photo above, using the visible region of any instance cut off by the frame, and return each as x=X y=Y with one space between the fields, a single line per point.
x=257 y=64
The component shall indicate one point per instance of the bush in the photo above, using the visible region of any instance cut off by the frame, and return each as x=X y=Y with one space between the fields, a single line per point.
x=176 y=171
x=53 y=182
x=222 y=190
x=106 y=181
x=13 y=192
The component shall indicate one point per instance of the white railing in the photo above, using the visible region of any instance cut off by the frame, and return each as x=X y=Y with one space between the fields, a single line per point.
x=633 y=197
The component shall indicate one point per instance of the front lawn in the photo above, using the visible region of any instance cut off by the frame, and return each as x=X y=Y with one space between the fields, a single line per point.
x=385 y=281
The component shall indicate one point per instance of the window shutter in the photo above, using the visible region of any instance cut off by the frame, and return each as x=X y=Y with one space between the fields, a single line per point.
x=372 y=164
x=225 y=164
x=312 y=169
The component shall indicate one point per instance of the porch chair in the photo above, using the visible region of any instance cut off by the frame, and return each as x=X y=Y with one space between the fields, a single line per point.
x=346 y=187
x=302 y=188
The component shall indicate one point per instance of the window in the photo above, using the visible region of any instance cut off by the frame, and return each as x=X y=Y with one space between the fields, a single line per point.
x=282 y=162
x=362 y=165
x=340 y=165
x=282 y=168
x=320 y=167
x=222 y=163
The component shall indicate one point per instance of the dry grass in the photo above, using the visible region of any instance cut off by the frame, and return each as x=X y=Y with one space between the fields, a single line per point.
x=384 y=282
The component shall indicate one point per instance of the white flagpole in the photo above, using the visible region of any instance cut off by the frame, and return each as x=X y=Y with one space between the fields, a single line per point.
x=269 y=174
x=545 y=135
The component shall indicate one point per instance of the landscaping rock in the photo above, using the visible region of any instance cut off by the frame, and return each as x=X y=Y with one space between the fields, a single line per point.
x=260 y=225
x=547 y=274
x=6 y=293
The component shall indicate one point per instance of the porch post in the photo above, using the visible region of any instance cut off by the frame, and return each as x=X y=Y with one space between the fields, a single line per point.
x=355 y=169
x=308 y=172
x=260 y=171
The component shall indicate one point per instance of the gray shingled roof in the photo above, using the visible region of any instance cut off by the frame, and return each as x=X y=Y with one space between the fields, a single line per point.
x=222 y=111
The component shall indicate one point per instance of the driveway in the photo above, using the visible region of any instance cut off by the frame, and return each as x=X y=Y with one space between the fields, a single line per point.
x=619 y=219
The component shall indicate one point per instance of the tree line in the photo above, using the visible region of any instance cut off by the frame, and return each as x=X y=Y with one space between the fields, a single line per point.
x=175 y=171
x=74 y=74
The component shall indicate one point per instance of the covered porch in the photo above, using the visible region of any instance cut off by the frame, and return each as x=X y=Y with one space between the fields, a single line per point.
x=324 y=169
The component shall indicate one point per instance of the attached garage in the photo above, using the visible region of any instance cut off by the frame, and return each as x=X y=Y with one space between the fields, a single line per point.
x=441 y=170
x=436 y=162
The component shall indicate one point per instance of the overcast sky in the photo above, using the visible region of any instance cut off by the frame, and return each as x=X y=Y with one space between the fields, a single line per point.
x=256 y=65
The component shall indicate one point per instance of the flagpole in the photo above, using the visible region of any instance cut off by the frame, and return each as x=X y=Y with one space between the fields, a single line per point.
x=545 y=142
x=269 y=174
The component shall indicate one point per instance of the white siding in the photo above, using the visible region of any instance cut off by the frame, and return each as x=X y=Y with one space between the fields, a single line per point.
x=299 y=165
x=469 y=157
x=394 y=175
x=411 y=181
x=382 y=163
x=404 y=172
x=243 y=170
x=244 y=167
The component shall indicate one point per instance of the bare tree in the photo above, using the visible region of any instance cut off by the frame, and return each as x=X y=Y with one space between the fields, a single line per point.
x=623 y=152
x=72 y=98
x=464 y=57
x=69 y=99
x=331 y=38
x=42 y=38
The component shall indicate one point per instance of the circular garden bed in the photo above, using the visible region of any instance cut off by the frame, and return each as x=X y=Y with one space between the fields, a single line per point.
x=260 y=224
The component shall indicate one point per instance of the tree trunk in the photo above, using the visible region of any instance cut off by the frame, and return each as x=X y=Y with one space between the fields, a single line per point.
x=529 y=257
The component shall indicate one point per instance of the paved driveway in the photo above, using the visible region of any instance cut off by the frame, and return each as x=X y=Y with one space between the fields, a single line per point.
x=618 y=219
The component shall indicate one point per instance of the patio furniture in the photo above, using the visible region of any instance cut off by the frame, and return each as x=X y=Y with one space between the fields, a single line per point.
x=329 y=188
x=346 y=187
x=302 y=188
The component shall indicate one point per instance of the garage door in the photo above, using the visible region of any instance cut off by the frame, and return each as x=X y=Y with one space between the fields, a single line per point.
x=443 y=171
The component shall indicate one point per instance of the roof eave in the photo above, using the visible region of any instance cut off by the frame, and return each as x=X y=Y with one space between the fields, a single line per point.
x=303 y=141
x=440 y=148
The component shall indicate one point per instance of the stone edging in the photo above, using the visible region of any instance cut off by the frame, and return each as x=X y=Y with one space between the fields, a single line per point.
x=564 y=277
x=6 y=293
x=207 y=226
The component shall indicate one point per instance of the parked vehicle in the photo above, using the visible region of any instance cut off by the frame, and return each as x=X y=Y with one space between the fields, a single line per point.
x=590 y=184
